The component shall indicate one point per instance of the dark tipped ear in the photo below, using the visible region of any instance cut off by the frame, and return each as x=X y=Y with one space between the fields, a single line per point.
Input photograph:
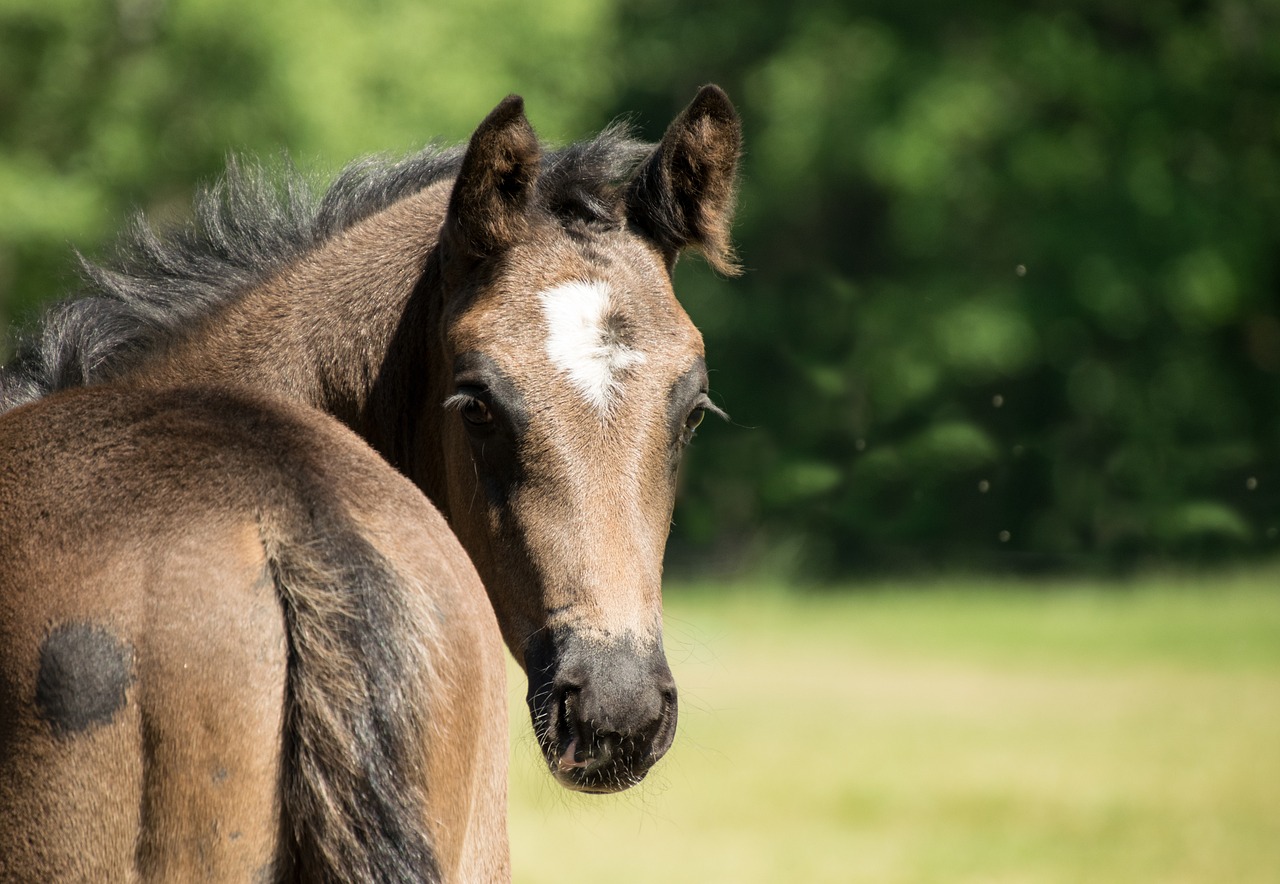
x=499 y=171
x=683 y=195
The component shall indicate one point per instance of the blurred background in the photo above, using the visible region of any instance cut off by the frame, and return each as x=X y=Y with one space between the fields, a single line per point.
x=978 y=584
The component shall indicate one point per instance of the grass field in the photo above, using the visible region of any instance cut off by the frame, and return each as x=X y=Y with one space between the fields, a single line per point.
x=943 y=733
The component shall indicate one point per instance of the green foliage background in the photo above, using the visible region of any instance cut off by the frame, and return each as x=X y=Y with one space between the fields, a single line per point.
x=1014 y=269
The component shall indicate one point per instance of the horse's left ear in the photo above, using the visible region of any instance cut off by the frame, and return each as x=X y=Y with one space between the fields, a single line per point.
x=499 y=171
x=683 y=195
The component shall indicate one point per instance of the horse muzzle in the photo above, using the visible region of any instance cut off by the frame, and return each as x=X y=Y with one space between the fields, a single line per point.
x=603 y=711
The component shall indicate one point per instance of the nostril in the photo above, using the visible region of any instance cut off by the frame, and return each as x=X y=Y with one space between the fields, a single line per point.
x=668 y=699
x=568 y=703
x=667 y=708
x=665 y=732
x=568 y=711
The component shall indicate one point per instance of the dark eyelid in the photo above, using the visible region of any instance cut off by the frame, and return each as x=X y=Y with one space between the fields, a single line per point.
x=478 y=377
x=687 y=392
x=471 y=383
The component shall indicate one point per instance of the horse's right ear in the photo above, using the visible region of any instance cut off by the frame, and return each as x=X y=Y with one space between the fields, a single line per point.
x=499 y=171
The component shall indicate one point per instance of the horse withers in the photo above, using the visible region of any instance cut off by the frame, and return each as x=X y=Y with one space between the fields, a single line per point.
x=498 y=322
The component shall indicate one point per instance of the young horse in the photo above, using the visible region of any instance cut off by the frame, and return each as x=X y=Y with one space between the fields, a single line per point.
x=236 y=645
x=499 y=324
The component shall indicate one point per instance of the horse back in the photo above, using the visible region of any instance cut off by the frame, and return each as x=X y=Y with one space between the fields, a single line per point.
x=224 y=652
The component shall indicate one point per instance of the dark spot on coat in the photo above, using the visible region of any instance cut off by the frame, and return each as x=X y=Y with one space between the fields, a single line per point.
x=84 y=673
x=617 y=331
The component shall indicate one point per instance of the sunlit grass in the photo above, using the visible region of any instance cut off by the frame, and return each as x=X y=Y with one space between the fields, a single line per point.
x=944 y=733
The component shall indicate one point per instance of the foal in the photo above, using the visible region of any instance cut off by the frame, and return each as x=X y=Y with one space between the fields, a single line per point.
x=498 y=322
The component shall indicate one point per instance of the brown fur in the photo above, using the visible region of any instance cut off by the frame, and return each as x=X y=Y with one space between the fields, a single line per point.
x=240 y=552
x=458 y=270
x=404 y=325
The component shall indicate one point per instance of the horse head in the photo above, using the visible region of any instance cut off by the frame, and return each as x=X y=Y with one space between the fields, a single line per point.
x=573 y=381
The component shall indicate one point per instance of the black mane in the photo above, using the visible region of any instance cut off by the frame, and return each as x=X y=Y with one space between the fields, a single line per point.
x=245 y=228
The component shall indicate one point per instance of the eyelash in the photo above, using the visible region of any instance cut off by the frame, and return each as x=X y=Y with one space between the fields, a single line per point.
x=474 y=410
x=697 y=415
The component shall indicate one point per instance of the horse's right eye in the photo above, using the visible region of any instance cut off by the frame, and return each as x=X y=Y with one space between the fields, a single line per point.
x=477 y=413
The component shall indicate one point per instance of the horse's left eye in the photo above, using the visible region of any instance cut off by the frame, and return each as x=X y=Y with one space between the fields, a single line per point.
x=694 y=420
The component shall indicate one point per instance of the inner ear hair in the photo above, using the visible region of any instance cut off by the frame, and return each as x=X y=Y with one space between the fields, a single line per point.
x=683 y=195
x=499 y=172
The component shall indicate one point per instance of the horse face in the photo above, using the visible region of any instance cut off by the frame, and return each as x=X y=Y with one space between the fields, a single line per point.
x=574 y=396
x=577 y=382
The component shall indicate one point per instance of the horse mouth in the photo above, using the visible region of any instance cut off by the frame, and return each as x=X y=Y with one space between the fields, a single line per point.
x=602 y=715
x=597 y=762
x=593 y=772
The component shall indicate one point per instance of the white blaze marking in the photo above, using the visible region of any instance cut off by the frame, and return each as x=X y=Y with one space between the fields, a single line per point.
x=580 y=344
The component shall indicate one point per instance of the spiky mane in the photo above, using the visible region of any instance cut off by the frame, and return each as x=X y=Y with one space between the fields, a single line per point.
x=247 y=227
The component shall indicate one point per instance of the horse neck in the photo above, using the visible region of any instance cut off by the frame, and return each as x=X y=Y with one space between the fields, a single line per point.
x=346 y=329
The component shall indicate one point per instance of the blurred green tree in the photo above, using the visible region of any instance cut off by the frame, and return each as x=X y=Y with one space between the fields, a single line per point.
x=107 y=104
x=1013 y=298
x=1013 y=271
x=106 y=107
